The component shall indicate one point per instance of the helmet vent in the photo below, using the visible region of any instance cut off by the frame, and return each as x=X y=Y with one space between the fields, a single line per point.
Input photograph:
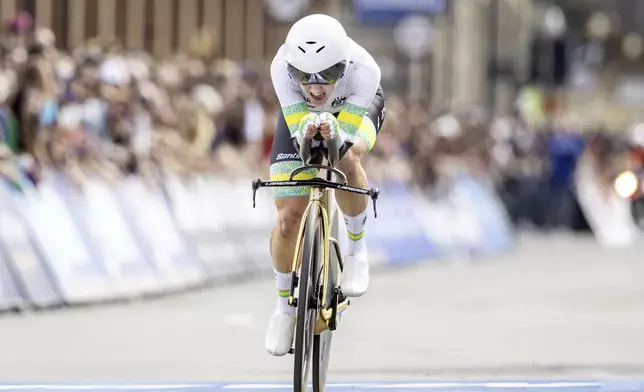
x=311 y=42
x=300 y=48
x=319 y=50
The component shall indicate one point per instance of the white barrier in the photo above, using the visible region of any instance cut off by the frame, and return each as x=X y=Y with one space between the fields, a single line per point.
x=608 y=215
x=64 y=245
x=112 y=239
x=21 y=255
x=76 y=274
x=153 y=226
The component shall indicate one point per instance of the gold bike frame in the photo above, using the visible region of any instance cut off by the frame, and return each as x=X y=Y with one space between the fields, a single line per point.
x=320 y=197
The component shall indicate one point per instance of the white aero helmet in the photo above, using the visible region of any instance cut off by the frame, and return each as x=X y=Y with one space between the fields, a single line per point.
x=317 y=49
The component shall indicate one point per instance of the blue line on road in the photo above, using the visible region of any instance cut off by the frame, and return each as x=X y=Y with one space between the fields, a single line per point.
x=434 y=386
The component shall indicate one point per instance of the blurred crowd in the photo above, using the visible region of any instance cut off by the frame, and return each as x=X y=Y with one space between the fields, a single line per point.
x=533 y=168
x=102 y=110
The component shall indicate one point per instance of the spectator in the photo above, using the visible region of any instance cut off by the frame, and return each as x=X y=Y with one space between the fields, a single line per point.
x=564 y=146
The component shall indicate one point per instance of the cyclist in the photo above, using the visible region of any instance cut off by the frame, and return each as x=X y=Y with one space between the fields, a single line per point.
x=327 y=84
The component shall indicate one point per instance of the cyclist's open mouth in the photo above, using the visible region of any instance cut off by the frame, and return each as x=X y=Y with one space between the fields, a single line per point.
x=318 y=98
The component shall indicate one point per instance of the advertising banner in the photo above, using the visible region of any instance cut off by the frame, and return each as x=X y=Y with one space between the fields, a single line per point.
x=222 y=241
x=65 y=247
x=483 y=204
x=466 y=218
x=389 y=12
x=20 y=255
x=96 y=211
x=10 y=298
x=398 y=234
x=153 y=227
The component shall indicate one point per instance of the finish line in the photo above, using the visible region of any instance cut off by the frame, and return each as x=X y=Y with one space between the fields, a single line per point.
x=435 y=386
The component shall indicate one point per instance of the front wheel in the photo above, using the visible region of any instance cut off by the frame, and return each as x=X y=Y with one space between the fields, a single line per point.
x=322 y=342
x=307 y=304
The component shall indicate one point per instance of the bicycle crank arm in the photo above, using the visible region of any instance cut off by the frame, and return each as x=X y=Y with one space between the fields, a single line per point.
x=342 y=306
x=325 y=316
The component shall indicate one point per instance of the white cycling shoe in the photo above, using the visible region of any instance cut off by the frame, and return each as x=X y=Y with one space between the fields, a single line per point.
x=281 y=330
x=354 y=283
x=355 y=276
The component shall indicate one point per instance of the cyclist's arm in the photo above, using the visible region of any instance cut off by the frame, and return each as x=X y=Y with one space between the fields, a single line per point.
x=293 y=104
x=366 y=81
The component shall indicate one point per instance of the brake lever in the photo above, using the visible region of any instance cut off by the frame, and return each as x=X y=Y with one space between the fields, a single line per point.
x=374 y=192
x=256 y=184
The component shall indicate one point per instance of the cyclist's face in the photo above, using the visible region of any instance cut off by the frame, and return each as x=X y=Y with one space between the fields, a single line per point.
x=319 y=93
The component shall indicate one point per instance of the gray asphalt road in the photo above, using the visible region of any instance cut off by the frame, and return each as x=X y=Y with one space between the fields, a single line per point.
x=555 y=307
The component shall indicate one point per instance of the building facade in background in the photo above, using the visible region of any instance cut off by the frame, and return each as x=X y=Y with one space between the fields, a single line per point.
x=469 y=36
x=245 y=30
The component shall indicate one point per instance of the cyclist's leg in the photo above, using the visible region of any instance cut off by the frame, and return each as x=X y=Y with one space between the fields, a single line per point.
x=290 y=204
x=355 y=280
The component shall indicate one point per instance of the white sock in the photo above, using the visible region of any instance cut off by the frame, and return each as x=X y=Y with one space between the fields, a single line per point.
x=356 y=230
x=283 y=283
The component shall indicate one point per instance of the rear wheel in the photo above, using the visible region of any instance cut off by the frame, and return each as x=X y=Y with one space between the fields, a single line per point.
x=307 y=303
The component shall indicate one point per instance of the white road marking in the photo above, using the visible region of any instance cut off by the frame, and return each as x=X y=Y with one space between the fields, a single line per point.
x=412 y=385
x=432 y=385
x=80 y=387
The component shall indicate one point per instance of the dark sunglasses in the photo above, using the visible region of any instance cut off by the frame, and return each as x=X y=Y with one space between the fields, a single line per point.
x=328 y=76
